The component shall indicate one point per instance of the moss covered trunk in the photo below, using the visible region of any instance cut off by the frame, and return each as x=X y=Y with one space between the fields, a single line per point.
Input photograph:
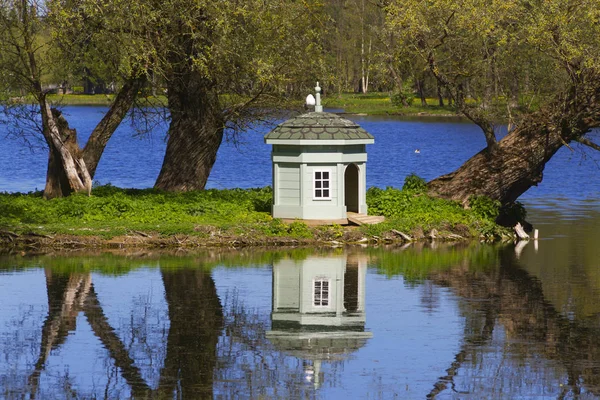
x=195 y=132
x=505 y=174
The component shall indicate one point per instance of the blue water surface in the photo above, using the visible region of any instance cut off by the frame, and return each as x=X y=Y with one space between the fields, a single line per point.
x=134 y=161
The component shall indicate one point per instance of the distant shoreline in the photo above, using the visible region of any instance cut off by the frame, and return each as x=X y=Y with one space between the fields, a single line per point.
x=351 y=104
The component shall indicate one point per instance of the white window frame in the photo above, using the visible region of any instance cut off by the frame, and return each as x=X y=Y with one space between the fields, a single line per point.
x=320 y=182
x=318 y=300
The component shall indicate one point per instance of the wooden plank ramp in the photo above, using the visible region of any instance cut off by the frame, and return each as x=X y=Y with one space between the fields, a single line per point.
x=364 y=219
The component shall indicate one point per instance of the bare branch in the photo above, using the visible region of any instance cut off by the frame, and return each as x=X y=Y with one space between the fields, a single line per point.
x=588 y=143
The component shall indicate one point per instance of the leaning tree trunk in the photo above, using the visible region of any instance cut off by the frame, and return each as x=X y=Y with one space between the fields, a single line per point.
x=65 y=164
x=195 y=132
x=110 y=122
x=517 y=162
x=60 y=178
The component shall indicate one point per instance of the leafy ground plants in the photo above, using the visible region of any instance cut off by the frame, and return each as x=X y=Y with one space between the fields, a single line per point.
x=112 y=211
x=411 y=211
x=239 y=216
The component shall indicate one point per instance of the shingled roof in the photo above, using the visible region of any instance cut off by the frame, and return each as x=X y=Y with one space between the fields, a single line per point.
x=318 y=126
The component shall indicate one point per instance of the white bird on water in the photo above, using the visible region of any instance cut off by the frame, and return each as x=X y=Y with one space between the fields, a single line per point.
x=417 y=151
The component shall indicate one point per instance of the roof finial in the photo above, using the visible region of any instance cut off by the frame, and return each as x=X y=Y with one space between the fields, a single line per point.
x=318 y=106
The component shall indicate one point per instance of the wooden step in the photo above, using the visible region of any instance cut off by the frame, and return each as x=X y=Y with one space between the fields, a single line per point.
x=362 y=219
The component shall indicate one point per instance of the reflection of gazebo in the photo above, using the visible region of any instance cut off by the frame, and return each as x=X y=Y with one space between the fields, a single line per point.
x=319 y=309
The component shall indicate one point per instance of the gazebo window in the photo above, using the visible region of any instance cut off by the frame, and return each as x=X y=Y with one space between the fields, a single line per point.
x=322 y=185
x=321 y=292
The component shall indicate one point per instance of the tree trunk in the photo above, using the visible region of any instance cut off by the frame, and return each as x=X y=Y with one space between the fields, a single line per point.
x=58 y=182
x=440 y=96
x=504 y=174
x=195 y=132
x=110 y=122
x=518 y=160
x=65 y=164
x=421 y=90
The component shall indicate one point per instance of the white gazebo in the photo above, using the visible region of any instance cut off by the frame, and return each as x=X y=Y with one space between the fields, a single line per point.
x=319 y=166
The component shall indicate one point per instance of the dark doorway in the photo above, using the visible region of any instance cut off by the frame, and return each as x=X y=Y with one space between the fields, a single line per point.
x=351 y=188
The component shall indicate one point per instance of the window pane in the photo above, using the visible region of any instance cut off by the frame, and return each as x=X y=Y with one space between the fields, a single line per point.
x=326 y=184
x=318 y=193
x=325 y=193
x=318 y=175
x=325 y=174
x=318 y=184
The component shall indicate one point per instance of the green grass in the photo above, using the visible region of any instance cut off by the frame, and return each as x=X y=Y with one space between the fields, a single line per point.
x=98 y=99
x=380 y=104
x=235 y=213
x=111 y=211
x=413 y=212
x=371 y=103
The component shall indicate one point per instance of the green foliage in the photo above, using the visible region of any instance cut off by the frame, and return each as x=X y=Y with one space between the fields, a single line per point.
x=413 y=212
x=114 y=211
x=414 y=183
x=330 y=232
x=405 y=97
x=485 y=207
x=111 y=211
x=276 y=227
x=299 y=229
x=542 y=43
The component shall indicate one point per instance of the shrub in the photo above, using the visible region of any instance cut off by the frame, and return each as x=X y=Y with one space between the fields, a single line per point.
x=485 y=207
x=414 y=183
x=406 y=96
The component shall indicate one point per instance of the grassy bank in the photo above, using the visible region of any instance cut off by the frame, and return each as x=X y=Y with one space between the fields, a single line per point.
x=381 y=104
x=354 y=103
x=114 y=216
x=99 y=99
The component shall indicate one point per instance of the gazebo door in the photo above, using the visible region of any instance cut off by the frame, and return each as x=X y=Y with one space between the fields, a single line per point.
x=351 y=188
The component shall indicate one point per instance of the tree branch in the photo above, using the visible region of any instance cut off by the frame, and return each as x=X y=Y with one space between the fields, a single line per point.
x=588 y=143
x=456 y=92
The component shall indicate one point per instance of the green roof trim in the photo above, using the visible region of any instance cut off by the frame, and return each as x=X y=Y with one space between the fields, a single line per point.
x=318 y=126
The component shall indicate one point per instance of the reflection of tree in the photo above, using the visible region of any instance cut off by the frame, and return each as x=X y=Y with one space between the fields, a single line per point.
x=68 y=295
x=509 y=296
x=196 y=317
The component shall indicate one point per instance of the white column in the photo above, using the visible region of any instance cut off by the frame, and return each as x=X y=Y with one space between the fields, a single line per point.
x=276 y=200
x=362 y=188
x=341 y=198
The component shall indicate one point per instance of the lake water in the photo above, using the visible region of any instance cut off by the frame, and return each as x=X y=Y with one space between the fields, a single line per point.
x=462 y=321
x=465 y=321
x=443 y=145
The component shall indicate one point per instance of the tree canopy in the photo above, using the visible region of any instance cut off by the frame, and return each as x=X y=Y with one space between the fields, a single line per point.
x=533 y=63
